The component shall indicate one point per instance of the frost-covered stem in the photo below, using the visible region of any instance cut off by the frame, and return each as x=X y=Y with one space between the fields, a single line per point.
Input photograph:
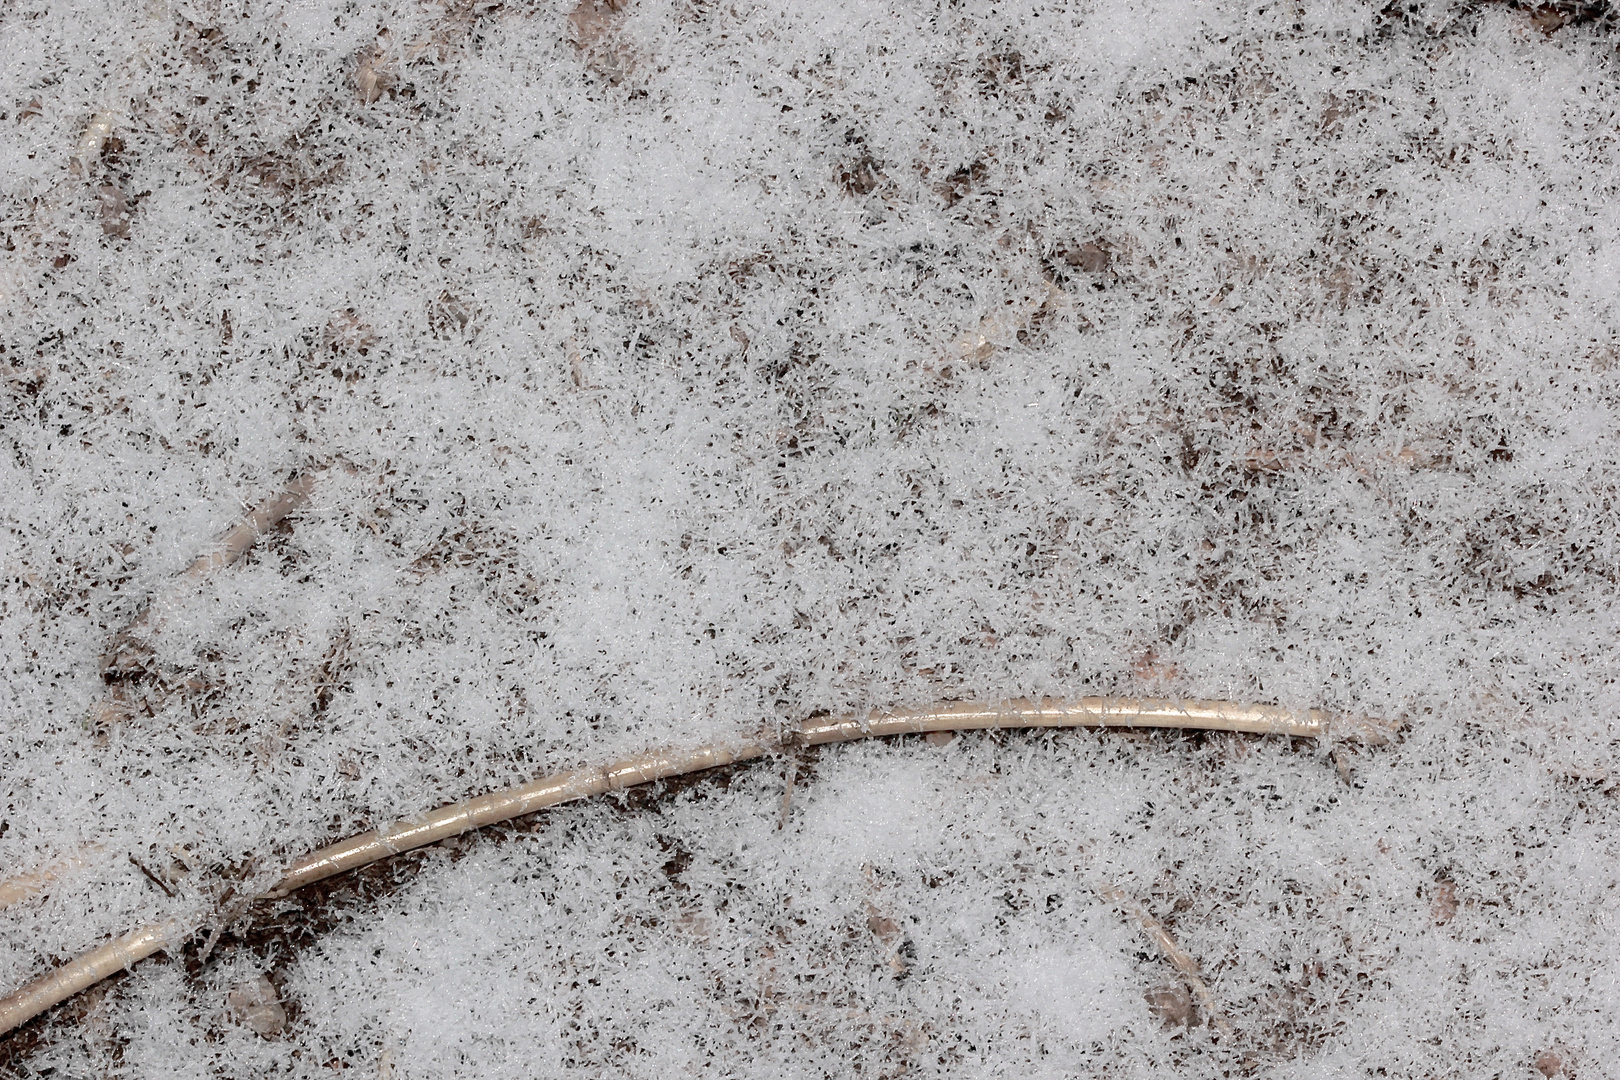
x=457 y=818
x=93 y=138
x=22 y=886
x=126 y=654
x=504 y=805
x=1179 y=958
x=243 y=535
x=83 y=973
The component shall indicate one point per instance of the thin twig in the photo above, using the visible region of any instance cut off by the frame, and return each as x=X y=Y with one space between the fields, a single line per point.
x=498 y=806
x=788 y=776
x=1179 y=958
x=153 y=878
x=21 y=886
x=127 y=655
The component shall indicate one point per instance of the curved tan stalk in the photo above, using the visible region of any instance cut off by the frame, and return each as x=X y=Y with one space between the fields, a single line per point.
x=22 y=886
x=1087 y=712
x=128 y=655
x=84 y=972
x=457 y=818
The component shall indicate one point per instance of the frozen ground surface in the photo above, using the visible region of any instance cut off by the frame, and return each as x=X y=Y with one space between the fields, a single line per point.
x=699 y=366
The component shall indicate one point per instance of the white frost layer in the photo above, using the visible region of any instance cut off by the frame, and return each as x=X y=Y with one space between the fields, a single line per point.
x=763 y=360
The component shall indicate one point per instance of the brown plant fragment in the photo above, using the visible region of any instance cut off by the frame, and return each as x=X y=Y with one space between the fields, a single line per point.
x=962 y=182
x=1179 y=958
x=256 y=1006
x=859 y=177
x=114 y=210
x=882 y=927
x=345 y=332
x=1091 y=257
x=1549 y=19
x=593 y=20
x=595 y=24
x=1550 y=1063
x=374 y=71
x=1444 y=905
x=1172 y=1005
x=1150 y=669
x=888 y=934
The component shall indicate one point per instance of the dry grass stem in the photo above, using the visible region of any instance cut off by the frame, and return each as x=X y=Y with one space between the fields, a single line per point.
x=85 y=972
x=1179 y=958
x=789 y=775
x=461 y=817
x=22 y=886
x=128 y=655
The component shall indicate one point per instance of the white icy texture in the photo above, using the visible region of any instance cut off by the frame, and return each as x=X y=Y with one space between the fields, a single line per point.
x=733 y=370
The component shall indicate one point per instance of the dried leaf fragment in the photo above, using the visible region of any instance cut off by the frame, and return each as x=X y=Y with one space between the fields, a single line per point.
x=256 y=1006
x=345 y=332
x=114 y=209
x=595 y=24
x=374 y=71
x=962 y=182
x=1549 y=19
x=882 y=927
x=1172 y=1005
x=593 y=20
x=1091 y=257
x=859 y=177
x=1550 y=1062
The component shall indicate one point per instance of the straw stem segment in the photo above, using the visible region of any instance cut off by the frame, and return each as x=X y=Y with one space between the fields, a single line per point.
x=504 y=805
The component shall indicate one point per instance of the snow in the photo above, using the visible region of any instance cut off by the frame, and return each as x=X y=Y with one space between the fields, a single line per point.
x=756 y=361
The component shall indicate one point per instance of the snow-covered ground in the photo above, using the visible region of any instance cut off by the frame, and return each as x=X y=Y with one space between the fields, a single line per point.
x=675 y=368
